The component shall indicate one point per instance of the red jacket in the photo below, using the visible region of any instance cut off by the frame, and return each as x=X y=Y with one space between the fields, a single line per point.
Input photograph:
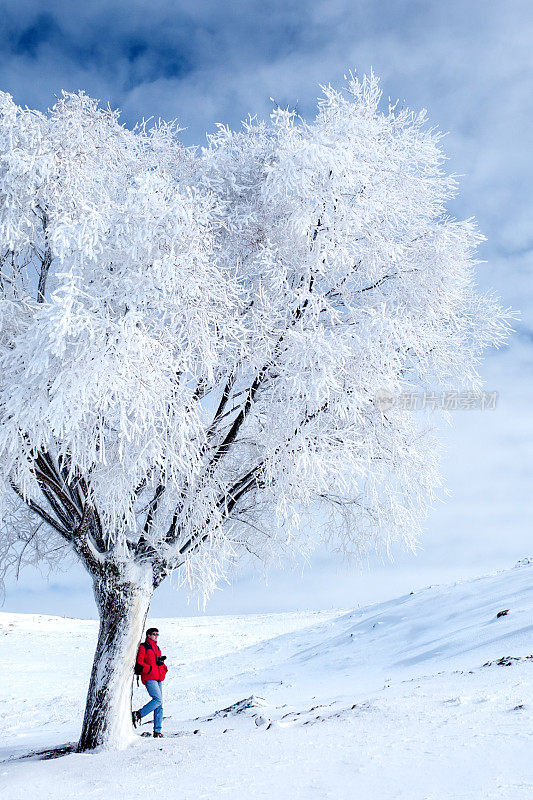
x=146 y=657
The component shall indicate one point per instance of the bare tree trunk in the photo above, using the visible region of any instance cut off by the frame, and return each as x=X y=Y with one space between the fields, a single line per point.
x=123 y=605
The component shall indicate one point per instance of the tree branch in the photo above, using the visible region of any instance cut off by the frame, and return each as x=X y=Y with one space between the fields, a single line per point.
x=235 y=427
x=256 y=384
x=68 y=507
x=70 y=511
x=152 y=508
x=36 y=508
x=248 y=482
x=46 y=259
x=85 y=545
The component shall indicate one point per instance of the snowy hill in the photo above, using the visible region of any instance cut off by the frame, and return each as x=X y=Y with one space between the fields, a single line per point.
x=425 y=696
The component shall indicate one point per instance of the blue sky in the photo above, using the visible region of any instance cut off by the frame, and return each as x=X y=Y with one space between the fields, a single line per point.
x=469 y=62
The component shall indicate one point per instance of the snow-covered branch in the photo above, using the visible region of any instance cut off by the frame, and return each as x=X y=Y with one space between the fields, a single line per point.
x=191 y=342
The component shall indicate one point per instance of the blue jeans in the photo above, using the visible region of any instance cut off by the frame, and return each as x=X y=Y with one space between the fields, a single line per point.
x=154 y=689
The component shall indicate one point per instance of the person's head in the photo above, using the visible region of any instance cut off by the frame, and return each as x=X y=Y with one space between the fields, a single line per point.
x=152 y=633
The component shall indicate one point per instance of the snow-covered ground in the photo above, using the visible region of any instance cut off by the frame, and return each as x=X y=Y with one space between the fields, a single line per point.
x=425 y=697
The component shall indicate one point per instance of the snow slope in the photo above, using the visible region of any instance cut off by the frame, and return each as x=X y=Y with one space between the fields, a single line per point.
x=405 y=699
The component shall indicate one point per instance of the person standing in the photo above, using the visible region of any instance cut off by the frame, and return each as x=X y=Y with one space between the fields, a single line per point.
x=153 y=674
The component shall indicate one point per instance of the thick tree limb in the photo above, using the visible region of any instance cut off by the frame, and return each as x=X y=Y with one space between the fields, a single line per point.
x=67 y=501
x=152 y=508
x=68 y=507
x=86 y=548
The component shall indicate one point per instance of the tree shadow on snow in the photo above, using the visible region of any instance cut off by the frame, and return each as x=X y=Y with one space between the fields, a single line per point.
x=44 y=755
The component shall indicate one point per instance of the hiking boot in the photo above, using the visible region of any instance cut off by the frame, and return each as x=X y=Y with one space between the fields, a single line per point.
x=136 y=718
x=158 y=735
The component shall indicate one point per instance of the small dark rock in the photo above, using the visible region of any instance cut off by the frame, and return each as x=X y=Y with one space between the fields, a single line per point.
x=505 y=661
x=502 y=613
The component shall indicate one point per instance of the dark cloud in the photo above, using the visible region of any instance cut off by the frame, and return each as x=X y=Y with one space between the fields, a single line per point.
x=131 y=44
x=43 y=29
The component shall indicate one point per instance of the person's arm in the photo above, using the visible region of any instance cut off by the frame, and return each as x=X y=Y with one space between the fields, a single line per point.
x=143 y=660
x=163 y=663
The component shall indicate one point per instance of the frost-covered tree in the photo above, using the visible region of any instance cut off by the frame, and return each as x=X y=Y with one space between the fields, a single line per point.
x=192 y=343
